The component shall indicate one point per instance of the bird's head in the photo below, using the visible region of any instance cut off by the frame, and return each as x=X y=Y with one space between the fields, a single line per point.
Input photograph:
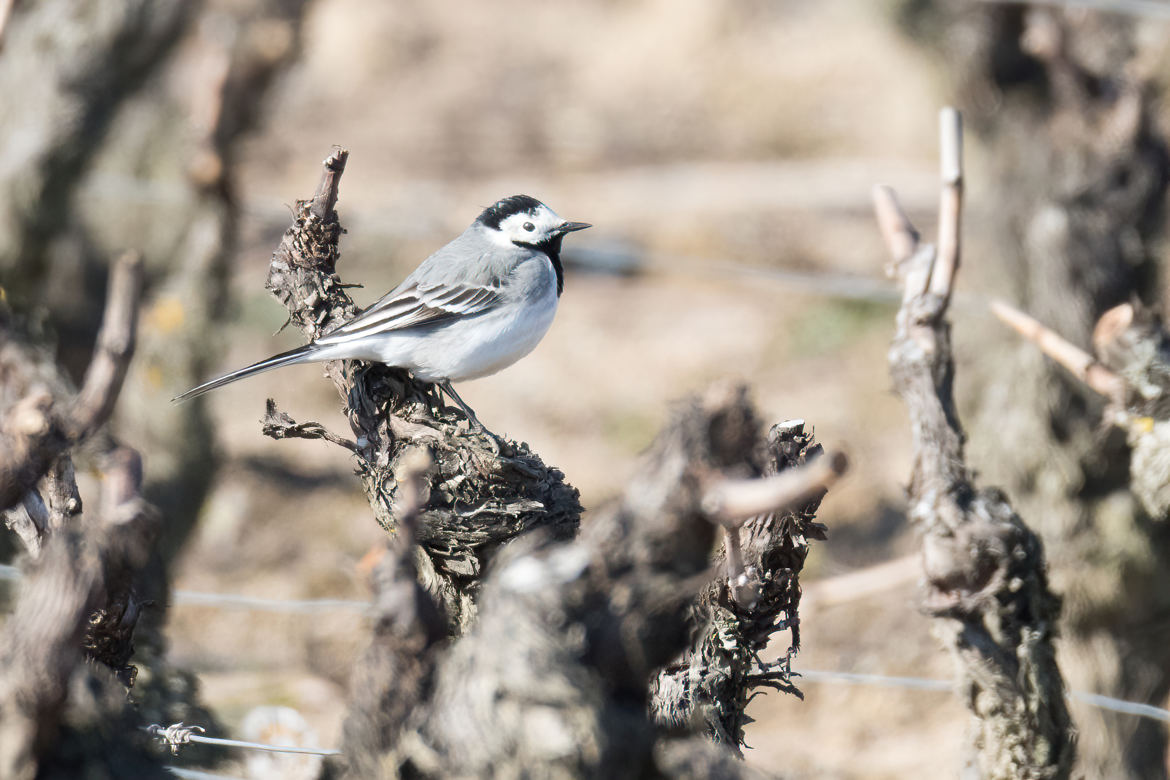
x=524 y=221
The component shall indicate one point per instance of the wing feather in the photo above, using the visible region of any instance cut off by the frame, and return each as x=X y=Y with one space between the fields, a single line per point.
x=414 y=305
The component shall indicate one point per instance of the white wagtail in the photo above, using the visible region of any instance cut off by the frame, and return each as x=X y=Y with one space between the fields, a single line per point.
x=476 y=306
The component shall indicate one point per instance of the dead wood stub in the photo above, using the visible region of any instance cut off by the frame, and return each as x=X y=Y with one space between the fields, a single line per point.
x=1132 y=341
x=987 y=581
x=554 y=678
x=128 y=529
x=395 y=672
x=713 y=681
x=555 y=673
x=79 y=601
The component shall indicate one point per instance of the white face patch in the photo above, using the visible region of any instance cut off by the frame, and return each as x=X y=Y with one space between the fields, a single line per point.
x=528 y=227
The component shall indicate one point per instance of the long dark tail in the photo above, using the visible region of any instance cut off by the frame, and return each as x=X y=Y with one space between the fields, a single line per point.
x=298 y=355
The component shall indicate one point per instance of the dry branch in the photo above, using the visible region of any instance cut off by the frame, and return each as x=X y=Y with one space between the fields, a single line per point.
x=277 y=425
x=950 y=208
x=84 y=592
x=731 y=502
x=549 y=678
x=392 y=677
x=79 y=65
x=861 y=584
x=1133 y=343
x=986 y=575
x=31 y=441
x=115 y=347
x=1079 y=363
x=1132 y=370
x=127 y=530
x=1077 y=166
x=82 y=598
x=36 y=436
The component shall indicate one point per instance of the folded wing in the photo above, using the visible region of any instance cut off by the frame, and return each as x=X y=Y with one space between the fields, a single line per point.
x=416 y=305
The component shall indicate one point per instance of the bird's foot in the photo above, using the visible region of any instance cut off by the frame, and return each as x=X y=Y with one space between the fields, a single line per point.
x=473 y=422
x=493 y=440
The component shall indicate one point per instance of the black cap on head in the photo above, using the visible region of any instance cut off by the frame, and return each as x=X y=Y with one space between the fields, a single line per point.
x=493 y=215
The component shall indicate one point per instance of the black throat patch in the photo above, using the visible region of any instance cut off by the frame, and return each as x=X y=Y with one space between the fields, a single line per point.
x=552 y=248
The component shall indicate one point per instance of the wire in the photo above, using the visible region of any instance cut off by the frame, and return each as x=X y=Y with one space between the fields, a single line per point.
x=1122 y=706
x=236 y=601
x=875 y=680
x=308 y=606
x=195 y=774
x=258 y=746
x=833 y=284
x=1150 y=9
x=607 y=257
x=926 y=684
x=232 y=601
x=176 y=735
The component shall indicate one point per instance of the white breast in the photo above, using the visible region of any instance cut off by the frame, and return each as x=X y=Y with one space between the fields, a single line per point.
x=482 y=345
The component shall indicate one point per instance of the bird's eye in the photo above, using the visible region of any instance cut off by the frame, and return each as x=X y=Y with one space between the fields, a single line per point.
x=529 y=226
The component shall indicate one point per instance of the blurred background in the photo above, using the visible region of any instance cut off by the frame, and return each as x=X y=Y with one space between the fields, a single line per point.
x=725 y=151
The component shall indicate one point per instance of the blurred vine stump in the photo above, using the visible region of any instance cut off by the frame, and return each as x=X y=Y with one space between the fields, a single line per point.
x=986 y=578
x=67 y=679
x=738 y=614
x=1069 y=104
x=618 y=654
x=475 y=500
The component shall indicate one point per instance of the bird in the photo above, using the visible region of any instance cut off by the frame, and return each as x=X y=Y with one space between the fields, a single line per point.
x=474 y=307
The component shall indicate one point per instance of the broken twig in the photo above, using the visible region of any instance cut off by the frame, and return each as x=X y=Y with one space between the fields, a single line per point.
x=1077 y=361
x=730 y=502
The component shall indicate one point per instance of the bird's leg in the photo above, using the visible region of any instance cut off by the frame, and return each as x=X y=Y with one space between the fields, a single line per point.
x=476 y=425
x=435 y=400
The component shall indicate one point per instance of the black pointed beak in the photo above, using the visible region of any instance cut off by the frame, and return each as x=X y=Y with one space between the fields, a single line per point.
x=569 y=227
